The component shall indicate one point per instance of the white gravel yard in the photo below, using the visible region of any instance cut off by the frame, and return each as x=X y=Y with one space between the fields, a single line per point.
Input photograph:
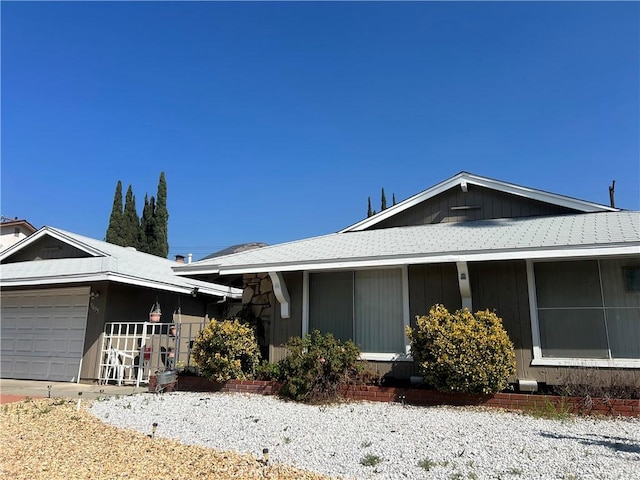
x=369 y=440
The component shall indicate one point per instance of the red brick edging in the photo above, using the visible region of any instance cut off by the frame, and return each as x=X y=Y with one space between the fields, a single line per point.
x=421 y=396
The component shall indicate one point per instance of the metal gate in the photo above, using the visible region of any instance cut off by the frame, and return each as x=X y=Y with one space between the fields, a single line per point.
x=131 y=351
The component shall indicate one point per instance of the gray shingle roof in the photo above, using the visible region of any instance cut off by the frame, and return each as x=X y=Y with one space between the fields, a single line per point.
x=107 y=262
x=586 y=234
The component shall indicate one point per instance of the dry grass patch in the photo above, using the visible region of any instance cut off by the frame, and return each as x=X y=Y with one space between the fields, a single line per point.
x=48 y=438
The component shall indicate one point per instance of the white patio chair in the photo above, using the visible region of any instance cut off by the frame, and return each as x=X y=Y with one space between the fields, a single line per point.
x=115 y=366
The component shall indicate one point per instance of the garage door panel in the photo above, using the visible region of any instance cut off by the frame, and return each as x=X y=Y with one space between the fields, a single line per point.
x=42 y=333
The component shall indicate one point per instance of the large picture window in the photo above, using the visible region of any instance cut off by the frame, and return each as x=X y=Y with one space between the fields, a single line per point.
x=365 y=306
x=586 y=311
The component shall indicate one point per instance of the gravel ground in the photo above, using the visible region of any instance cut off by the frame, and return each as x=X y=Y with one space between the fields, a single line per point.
x=388 y=441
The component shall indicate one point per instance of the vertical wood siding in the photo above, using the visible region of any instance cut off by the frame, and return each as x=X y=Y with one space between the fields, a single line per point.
x=46 y=248
x=431 y=284
x=282 y=329
x=502 y=286
x=491 y=203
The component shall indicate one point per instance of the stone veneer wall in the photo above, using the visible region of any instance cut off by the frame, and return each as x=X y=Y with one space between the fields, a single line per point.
x=258 y=292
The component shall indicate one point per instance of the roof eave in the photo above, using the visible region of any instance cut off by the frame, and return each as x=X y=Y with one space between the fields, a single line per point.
x=573 y=252
x=223 y=291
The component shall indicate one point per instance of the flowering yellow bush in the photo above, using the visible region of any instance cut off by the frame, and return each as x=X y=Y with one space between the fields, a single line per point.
x=225 y=350
x=462 y=352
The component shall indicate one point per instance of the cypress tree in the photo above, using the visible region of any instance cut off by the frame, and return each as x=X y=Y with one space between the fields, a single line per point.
x=393 y=199
x=383 y=201
x=369 y=211
x=114 y=230
x=161 y=220
x=131 y=222
x=146 y=225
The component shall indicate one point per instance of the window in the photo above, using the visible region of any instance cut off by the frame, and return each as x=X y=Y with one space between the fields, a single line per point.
x=632 y=278
x=16 y=232
x=365 y=306
x=585 y=310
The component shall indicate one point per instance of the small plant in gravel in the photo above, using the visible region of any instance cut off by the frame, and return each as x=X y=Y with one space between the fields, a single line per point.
x=427 y=464
x=370 y=460
x=315 y=367
x=551 y=410
x=366 y=444
x=225 y=350
x=462 y=352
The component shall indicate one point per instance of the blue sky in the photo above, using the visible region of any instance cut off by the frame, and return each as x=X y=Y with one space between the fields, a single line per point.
x=274 y=121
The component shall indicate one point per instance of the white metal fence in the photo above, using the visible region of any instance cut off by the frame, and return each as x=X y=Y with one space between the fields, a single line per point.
x=131 y=351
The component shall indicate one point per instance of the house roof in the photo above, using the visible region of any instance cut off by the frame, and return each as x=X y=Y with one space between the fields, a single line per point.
x=106 y=262
x=18 y=223
x=558 y=236
x=462 y=180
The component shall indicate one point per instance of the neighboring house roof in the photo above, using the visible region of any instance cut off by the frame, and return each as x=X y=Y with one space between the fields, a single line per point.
x=578 y=235
x=18 y=223
x=106 y=262
x=463 y=179
x=241 y=247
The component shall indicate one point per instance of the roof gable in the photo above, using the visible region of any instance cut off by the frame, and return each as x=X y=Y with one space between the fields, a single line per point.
x=548 y=203
x=87 y=260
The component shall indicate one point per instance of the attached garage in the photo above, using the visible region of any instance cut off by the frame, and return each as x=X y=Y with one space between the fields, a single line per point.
x=42 y=333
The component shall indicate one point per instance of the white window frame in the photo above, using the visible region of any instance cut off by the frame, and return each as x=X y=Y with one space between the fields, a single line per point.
x=373 y=356
x=539 y=359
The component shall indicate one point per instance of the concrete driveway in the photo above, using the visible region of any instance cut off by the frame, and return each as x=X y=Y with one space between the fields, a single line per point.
x=16 y=390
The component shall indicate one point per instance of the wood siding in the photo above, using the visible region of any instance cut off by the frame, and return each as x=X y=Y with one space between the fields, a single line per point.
x=282 y=329
x=431 y=284
x=45 y=249
x=125 y=303
x=502 y=287
x=478 y=203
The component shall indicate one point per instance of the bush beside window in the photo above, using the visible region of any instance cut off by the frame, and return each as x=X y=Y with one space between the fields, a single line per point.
x=315 y=366
x=225 y=350
x=462 y=352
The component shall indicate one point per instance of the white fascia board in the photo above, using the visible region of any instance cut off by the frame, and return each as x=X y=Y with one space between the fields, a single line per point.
x=202 y=287
x=534 y=254
x=470 y=179
x=196 y=269
x=405 y=204
x=114 y=277
x=540 y=195
x=50 y=232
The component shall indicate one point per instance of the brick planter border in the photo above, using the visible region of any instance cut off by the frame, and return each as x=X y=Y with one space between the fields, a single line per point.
x=424 y=397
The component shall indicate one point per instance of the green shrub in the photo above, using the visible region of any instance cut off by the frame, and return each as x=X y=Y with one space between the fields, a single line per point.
x=462 y=352
x=315 y=366
x=268 y=371
x=225 y=350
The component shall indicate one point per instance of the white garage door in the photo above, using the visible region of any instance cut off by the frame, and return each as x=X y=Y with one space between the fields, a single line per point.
x=42 y=333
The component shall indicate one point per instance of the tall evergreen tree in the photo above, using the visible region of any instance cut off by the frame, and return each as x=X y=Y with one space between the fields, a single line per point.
x=146 y=225
x=383 y=201
x=369 y=211
x=161 y=220
x=131 y=222
x=393 y=199
x=114 y=230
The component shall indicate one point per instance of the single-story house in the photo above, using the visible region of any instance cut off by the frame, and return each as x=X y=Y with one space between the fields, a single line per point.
x=61 y=290
x=562 y=273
